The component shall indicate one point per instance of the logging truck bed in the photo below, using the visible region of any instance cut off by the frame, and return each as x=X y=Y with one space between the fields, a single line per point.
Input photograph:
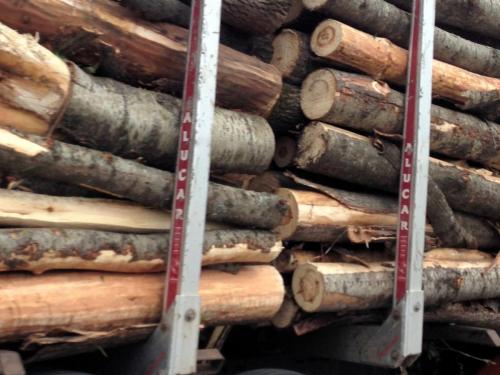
x=302 y=205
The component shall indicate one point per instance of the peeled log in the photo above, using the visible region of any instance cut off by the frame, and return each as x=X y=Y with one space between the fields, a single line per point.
x=34 y=83
x=21 y=209
x=151 y=187
x=107 y=301
x=339 y=215
x=383 y=60
x=106 y=35
x=378 y=17
x=40 y=250
x=322 y=287
x=339 y=153
x=360 y=103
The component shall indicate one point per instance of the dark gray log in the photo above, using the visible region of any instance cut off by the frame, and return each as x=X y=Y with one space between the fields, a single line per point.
x=174 y=11
x=338 y=153
x=120 y=177
x=287 y=114
x=111 y=116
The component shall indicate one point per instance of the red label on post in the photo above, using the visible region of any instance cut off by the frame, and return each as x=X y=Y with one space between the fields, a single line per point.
x=183 y=155
x=406 y=177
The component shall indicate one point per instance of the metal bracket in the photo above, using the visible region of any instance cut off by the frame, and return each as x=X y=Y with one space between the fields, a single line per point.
x=11 y=363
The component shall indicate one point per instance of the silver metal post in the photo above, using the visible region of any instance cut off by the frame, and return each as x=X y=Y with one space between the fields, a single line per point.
x=172 y=348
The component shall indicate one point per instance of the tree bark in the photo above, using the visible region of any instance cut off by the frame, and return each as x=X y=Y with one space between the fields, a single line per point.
x=337 y=215
x=256 y=16
x=174 y=11
x=338 y=153
x=360 y=103
x=477 y=16
x=40 y=250
x=286 y=149
x=383 y=60
x=378 y=17
x=112 y=39
x=125 y=178
x=124 y=120
x=34 y=85
x=287 y=113
x=20 y=209
x=46 y=303
x=346 y=287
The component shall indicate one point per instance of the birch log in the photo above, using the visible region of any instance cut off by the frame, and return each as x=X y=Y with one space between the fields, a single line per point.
x=151 y=187
x=339 y=153
x=321 y=287
x=103 y=302
x=381 y=18
x=383 y=60
x=43 y=249
x=105 y=35
x=361 y=103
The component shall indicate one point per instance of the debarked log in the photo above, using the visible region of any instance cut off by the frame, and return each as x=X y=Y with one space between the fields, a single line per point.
x=104 y=302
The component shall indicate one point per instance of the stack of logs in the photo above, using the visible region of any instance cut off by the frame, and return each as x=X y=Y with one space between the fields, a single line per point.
x=305 y=166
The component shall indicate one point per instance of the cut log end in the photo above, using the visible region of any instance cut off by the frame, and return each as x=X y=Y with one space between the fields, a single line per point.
x=308 y=287
x=286 y=51
x=318 y=93
x=286 y=148
x=288 y=228
x=311 y=145
x=326 y=38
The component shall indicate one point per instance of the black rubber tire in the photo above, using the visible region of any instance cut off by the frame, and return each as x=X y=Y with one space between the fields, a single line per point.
x=270 y=371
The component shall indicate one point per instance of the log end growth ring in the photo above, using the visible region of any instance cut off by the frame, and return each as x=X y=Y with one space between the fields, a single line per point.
x=318 y=93
x=326 y=38
x=308 y=287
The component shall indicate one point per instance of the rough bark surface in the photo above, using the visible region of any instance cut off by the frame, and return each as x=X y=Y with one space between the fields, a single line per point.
x=338 y=153
x=106 y=302
x=287 y=113
x=335 y=215
x=40 y=250
x=476 y=314
x=384 y=60
x=381 y=18
x=480 y=16
x=360 y=103
x=256 y=16
x=111 y=116
x=126 y=178
x=343 y=287
x=174 y=11
x=35 y=83
x=112 y=39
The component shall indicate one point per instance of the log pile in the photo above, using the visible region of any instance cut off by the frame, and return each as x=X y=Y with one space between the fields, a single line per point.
x=304 y=167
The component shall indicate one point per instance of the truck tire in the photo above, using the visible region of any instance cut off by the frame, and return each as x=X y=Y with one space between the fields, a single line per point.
x=270 y=371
